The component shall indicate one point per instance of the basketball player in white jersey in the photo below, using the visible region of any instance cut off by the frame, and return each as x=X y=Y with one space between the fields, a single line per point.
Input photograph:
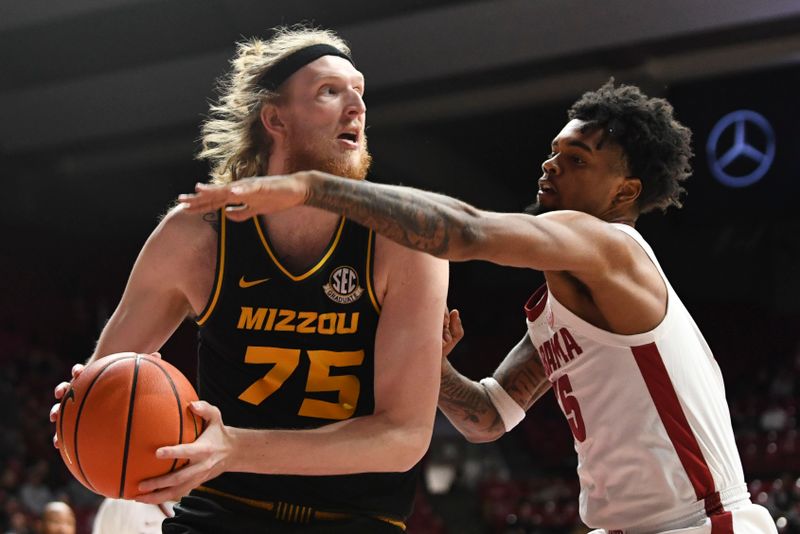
x=633 y=375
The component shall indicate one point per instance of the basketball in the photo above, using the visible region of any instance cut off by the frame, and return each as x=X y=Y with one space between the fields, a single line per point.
x=115 y=415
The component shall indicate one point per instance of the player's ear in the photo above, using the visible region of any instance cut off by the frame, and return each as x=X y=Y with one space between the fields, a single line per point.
x=272 y=120
x=629 y=190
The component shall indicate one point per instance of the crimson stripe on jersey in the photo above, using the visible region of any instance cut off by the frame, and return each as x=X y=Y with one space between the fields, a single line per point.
x=535 y=304
x=722 y=523
x=714 y=504
x=671 y=413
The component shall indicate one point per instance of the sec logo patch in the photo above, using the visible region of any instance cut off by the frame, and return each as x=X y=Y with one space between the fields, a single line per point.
x=343 y=286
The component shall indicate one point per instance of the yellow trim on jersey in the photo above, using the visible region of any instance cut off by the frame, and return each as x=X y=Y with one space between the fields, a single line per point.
x=311 y=271
x=369 y=274
x=295 y=513
x=221 y=263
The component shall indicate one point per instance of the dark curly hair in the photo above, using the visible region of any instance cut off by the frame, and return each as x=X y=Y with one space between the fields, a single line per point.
x=657 y=147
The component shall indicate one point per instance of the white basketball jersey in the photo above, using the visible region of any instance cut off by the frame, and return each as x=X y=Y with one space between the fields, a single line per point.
x=648 y=413
x=118 y=516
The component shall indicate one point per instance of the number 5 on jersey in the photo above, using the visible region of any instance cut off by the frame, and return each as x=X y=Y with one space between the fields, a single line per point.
x=570 y=407
x=319 y=379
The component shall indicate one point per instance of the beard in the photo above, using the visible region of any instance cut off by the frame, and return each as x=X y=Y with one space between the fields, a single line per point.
x=536 y=208
x=305 y=158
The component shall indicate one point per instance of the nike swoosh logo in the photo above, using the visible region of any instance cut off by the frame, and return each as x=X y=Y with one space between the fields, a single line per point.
x=250 y=283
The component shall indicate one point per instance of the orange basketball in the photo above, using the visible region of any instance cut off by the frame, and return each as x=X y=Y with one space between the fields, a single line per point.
x=115 y=415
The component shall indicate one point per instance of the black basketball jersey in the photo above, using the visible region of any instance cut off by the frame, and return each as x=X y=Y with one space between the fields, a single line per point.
x=293 y=351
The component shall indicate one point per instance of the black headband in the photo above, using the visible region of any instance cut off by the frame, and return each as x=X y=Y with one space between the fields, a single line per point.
x=280 y=72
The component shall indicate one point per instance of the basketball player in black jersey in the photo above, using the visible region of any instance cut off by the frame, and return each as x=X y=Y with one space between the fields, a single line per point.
x=320 y=342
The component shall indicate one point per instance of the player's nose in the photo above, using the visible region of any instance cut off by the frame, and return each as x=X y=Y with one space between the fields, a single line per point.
x=355 y=104
x=550 y=165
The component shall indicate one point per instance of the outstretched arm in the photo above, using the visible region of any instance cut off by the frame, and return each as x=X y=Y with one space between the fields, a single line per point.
x=430 y=222
x=588 y=256
x=467 y=405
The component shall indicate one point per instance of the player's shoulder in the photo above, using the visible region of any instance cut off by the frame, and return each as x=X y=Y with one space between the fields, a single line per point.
x=606 y=243
x=573 y=218
x=181 y=235
x=178 y=223
x=601 y=231
x=178 y=217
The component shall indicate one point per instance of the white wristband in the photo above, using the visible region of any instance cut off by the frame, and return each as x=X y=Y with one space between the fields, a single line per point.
x=510 y=412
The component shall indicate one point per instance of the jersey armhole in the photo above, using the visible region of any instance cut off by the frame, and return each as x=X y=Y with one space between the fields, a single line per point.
x=219 y=272
x=651 y=255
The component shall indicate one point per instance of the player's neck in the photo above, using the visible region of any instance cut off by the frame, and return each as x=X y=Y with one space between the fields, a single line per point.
x=300 y=235
x=621 y=216
x=622 y=220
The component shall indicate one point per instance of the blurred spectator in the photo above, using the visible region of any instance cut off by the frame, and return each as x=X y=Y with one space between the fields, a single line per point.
x=57 y=518
x=19 y=524
x=774 y=417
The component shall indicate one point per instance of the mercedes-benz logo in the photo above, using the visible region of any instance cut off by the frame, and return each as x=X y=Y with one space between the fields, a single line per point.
x=743 y=150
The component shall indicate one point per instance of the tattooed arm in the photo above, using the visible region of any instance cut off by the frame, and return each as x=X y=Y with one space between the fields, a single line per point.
x=466 y=403
x=437 y=224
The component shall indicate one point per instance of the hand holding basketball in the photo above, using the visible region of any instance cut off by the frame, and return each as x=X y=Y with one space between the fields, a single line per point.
x=114 y=415
x=58 y=393
x=206 y=458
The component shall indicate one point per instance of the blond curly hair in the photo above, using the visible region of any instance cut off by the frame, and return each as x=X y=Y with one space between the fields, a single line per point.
x=234 y=142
